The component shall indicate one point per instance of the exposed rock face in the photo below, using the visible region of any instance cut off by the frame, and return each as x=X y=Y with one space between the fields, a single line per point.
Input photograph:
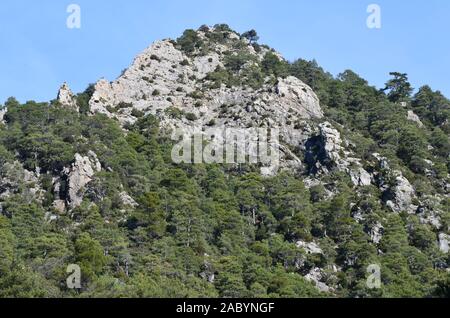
x=383 y=163
x=444 y=241
x=296 y=93
x=208 y=272
x=430 y=210
x=432 y=218
x=413 y=117
x=398 y=194
x=2 y=115
x=79 y=175
x=332 y=144
x=402 y=194
x=376 y=233
x=59 y=206
x=326 y=152
x=163 y=79
x=127 y=200
x=317 y=276
x=66 y=98
x=310 y=248
x=360 y=177
x=12 y=176
x=101 y=98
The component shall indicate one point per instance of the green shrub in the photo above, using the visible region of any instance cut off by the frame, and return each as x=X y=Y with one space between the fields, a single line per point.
x=155 y=58
x=191 y=117
x=196 y=95
x=137 y=113
x=272 y=65
x=123 y=105
x=190 y=41
x=211 y=123
x=148 y=80
x=174 y=112
x=184 y=62
x=235 y=63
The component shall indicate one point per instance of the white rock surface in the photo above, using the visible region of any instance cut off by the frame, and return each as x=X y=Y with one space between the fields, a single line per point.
x=2 y=115
x=317 y=275
x=403 y=193
x=310 y=248
x=59 y=206
x=376 y=233
x=127 y=200
x=80 y=174
x=66 y=98
x=295 y=93
x=413 y=117
x=163 y=78
x=335 y=155
x=16 y=179
x=382 y=161
x=444 y=241
x=361 y=177
x=332 y=143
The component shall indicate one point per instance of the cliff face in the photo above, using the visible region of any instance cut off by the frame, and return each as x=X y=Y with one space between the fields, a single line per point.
x=163 y=81
x=163 y=77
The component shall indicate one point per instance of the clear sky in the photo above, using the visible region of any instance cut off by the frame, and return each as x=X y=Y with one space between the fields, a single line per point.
x=38 y=52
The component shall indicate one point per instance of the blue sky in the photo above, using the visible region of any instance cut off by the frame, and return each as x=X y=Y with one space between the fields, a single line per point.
x=38 y=52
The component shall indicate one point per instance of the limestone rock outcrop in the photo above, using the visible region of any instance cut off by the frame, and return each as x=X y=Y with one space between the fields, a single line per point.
x=327 y=151
x=2 y=115
x=163 y=77
x=402 y=194
x=296 y=93
x=79 y=175
x=317 y=276
x=15 y=179
x=66 y=98
x=414 y=118
x=127 y=200
x=398 y=193
x=376 y=233
x=444 y=241
x=310 y=248
x=163 y=80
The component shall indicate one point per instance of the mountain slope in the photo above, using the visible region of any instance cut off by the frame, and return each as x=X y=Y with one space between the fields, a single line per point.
x=362 y=181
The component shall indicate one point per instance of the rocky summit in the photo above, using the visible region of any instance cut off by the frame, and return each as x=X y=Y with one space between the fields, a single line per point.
x=361 y=182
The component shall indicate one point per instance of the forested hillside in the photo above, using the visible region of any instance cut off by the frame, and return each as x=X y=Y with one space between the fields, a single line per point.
x=88 y=179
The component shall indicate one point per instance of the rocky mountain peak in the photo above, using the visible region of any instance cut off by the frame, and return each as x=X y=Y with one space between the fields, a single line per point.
x=66 y=98
x=206 y=79
x=2 y=114
x=167 y=77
